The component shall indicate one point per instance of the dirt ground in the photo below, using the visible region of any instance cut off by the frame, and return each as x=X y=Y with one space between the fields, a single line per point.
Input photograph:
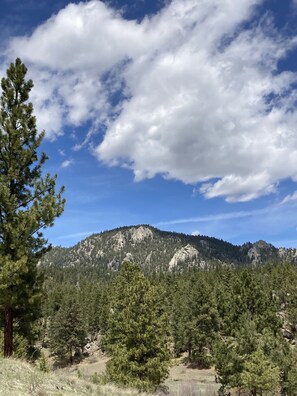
x=187 y=381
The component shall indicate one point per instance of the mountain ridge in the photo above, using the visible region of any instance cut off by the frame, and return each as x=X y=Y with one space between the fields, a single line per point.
x=160 y=251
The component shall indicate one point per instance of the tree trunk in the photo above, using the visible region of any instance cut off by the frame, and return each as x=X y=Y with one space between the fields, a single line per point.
x=190 y=352
x=71 y=356
x=8 y=321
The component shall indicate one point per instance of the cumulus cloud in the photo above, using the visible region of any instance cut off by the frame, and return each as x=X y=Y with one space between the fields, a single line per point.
x=81 y=36
x=237 y=188
x=202 y=100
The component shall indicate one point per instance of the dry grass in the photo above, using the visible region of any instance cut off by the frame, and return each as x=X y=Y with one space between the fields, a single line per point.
x=91 y=365
x=184 y=381
x=18 y=378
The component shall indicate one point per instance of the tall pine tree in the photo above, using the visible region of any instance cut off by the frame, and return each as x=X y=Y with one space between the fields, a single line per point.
x=195 y=318
x=137 y=334
x=67 y=330
x=28 y=201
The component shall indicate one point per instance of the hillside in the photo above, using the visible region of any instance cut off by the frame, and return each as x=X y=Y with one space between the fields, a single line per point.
x=157 y=250
x=19 y=378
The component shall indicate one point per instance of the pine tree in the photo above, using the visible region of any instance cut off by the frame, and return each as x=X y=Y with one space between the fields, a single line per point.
x=137 y=334
x=228 y=364
x=259 y=374
x=291 y=385
x=195 y=318
x=28 y=202
x=292 y=382
x=67 y=331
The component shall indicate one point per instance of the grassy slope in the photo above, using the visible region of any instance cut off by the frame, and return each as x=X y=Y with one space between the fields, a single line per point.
x=18 y=378
x=182 y=381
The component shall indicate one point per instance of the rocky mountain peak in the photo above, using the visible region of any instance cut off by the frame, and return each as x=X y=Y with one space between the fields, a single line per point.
x=263 y=245
x=138 y=234
x=161 y=251
x=132 y=235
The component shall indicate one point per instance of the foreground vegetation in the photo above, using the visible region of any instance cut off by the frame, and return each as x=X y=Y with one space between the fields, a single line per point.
x=19 y=378
x=232 y=318
x=240 y=320
x=28 y=204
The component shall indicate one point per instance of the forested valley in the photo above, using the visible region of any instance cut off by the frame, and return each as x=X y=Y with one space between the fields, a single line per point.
x=240 y=320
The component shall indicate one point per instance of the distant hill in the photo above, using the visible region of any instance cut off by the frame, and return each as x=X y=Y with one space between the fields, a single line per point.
x=157 y=250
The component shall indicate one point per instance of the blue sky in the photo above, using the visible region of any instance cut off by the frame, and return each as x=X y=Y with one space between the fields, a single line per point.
x=181 y=114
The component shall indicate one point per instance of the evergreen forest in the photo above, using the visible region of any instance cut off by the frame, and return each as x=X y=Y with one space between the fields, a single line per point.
x=240 y=320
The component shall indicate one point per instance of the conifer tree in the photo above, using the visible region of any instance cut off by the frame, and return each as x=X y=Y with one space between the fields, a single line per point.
x=195 y=318
x=28 y=201
x=137 y=334
x=67 y=331
x=228 y=364
x=292 y=382
x=259 y=374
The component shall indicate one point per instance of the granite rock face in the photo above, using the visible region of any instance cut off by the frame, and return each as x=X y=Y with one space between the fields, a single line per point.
x=183 y=255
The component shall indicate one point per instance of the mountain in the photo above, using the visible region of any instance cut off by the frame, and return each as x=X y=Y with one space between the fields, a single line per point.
x=157 y=250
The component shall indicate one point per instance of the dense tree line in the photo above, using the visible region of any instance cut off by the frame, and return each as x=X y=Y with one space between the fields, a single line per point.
x=240 y=320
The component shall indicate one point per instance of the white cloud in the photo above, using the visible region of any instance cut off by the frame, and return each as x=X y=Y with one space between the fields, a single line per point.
x=237 y=188
x=219 y=217
x=290 y=198
x=241 y=226
x=76 y=235
x=205 y=100
x=67 y=163
x=195 y=232
x=81 y=37
x=68 y=56
x=200 y=112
